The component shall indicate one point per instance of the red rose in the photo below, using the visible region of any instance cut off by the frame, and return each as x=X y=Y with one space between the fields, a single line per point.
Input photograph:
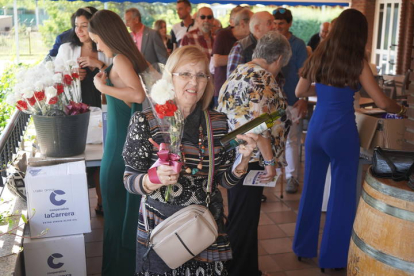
x=21 y=105
x=75 y=75
x=53 y=100
x=166 y=109
x=67 y=79
x=59 y=88
x=32 y=101
x=40 y=95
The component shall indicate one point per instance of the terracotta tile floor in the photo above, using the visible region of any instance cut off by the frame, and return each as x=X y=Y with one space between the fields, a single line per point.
x=276 y=230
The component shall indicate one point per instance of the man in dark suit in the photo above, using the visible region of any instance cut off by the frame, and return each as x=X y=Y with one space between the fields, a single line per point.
x=148 y=41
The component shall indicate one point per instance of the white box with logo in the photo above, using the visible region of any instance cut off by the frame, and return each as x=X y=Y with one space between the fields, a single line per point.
x=57 y=199
x=59 y=256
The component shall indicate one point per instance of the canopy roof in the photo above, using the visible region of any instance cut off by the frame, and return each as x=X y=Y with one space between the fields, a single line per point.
x=343 y=3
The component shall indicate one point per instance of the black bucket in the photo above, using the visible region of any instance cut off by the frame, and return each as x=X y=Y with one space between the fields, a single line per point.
x=62 y=136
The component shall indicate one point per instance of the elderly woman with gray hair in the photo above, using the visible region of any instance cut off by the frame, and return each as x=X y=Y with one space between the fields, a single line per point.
x=252 y=89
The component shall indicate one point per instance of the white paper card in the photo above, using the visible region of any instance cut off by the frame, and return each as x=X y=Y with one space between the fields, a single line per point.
x=252 y=179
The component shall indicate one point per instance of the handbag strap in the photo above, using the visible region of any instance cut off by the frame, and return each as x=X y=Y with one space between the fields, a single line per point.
x=209 y=130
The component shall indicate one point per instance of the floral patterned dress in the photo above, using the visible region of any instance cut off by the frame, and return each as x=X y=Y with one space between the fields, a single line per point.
x=139 y=154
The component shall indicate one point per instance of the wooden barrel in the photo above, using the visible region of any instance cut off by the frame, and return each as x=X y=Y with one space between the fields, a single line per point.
x=382 y=240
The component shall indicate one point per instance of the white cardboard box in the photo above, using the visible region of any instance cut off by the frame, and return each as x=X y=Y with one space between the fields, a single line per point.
x=60 y=256
x=57 y=199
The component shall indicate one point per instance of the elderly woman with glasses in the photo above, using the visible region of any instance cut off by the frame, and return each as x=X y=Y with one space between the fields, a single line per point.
x=252 y=89
x=187 y=70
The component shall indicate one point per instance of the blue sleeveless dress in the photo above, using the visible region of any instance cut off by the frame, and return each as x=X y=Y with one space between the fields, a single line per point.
x=332 y=138
x=120 y=207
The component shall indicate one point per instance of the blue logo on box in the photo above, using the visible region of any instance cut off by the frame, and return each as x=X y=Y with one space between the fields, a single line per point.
x=53 y=197
x=51 y=263
x=34 y=172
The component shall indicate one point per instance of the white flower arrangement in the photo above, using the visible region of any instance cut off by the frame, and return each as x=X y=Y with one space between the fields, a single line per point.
x=162 y=91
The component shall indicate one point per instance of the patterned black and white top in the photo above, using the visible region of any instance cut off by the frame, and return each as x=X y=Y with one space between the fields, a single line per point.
x=139 y=154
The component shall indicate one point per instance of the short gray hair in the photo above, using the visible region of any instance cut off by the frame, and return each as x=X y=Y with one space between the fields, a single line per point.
x=135 y=13
x=243 y=15
x=271 y=46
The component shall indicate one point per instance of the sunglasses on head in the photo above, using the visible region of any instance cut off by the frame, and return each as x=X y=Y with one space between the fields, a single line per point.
x=204 y=17
x=281 y=11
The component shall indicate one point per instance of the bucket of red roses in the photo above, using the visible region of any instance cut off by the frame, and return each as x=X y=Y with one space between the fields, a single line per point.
x=53 y=99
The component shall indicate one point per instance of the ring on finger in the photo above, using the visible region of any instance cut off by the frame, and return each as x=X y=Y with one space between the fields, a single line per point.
x=169 y=177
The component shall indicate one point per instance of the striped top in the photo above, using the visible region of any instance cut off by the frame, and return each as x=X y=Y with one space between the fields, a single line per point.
x=139 y=154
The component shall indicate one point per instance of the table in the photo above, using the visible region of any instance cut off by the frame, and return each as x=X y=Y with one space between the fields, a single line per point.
x=92 y=156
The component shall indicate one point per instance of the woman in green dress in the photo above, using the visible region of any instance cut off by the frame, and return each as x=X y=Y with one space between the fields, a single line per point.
x=124 y=93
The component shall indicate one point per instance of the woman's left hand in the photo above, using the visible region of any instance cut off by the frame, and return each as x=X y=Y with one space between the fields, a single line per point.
x=89 y=62
x=247 y=149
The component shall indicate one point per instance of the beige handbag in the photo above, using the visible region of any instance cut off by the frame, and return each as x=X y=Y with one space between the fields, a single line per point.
x=189 y=231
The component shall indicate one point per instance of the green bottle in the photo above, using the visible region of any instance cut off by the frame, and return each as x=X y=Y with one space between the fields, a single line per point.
x=257 y=126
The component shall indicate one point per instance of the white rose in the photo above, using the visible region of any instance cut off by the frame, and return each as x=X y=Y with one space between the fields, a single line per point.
x=50 y=66
x=60 y=68
x=57 y=78
x=162 y=91
x=38 y=86
x=28 y=92
x=11 y=99
x=50 y=92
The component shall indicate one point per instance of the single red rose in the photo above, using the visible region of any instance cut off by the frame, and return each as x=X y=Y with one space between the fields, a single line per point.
x=59 y=88
x=53 y=100
x=166 y=109
x=21 y=105
x=67 y=79
x=75 y=75
x=40 y=95
x=32 y=101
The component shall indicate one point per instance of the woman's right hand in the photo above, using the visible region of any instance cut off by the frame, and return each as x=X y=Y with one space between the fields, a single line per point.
x=166 y=175
x=100 y=80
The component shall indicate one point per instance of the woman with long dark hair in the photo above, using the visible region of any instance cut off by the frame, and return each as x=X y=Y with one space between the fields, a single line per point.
x=82 y=49
x=339 y=69
x=123 y=89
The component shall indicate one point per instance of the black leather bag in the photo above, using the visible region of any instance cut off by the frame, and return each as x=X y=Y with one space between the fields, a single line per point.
x=395 y=164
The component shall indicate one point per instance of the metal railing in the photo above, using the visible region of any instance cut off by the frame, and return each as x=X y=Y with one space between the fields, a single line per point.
x=10 y=140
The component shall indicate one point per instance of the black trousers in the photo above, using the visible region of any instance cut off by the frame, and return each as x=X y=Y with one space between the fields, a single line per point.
x=243 y=220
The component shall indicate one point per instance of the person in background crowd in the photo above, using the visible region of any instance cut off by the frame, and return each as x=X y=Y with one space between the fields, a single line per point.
x=82 y=49
x=62 y=38
x=222 y=47
x=161 y=27
x=186 y=69
x=124 y=91
x=202 y=36
x=216 y=27
x=180 y=29
x=339 y=68
x=148 y=41
x=318 y=37
x=233 y=12
x=250 y=91
x=260 y=23
x=297 y=107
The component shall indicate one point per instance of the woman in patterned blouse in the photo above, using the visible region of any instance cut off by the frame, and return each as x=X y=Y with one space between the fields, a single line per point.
x=187 y=69
x=251 y=90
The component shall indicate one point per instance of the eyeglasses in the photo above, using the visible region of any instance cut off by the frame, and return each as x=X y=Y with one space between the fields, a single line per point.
x=187 y=76
x=281 y=11
x=206 y=16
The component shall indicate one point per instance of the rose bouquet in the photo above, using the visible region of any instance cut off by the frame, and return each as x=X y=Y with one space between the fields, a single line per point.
x=42 y=90
x=171 y=122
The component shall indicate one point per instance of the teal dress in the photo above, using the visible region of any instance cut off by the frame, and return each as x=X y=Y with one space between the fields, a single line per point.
x=120 y=207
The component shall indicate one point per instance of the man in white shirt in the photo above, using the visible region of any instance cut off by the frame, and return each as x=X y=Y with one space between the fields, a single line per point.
x=180 y=29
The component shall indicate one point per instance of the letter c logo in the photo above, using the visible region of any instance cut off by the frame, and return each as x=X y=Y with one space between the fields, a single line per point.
x=51 y=259
x=53 y=197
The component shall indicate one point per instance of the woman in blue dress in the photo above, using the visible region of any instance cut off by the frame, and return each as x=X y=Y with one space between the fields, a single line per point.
x=339 y=68
x=123 y=89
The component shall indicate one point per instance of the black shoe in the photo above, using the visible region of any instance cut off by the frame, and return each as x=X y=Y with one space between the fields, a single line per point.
x=263 y=198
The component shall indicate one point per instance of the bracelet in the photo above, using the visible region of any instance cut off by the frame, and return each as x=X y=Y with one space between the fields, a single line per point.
x=270 y=162
x=402 y=111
